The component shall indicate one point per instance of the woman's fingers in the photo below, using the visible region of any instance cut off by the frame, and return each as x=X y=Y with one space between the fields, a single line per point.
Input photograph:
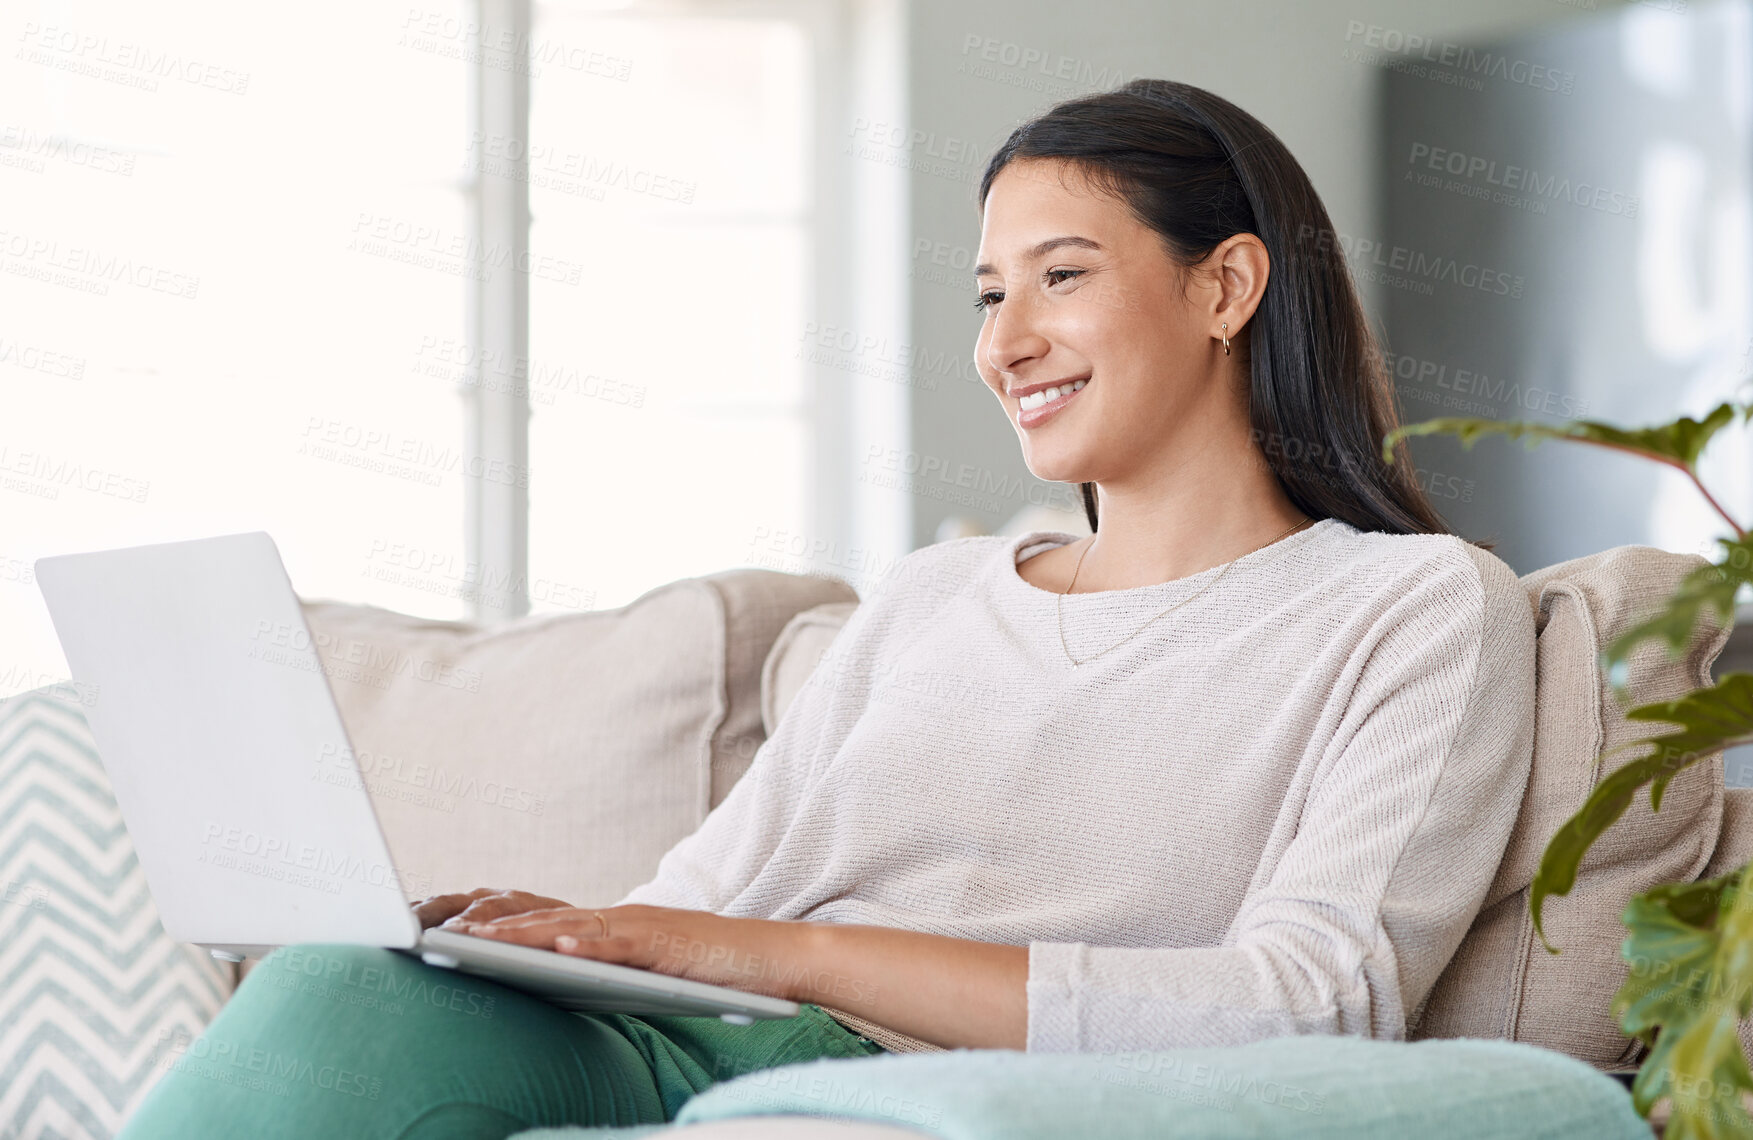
x=540 y=927
x=481 y=905
x=539 y=916
x=747 y=954
x=441 y=908
x=625 y=935
x=501 y=905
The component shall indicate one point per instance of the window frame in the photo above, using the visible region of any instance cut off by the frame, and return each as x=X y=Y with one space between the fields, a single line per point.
x=853 y=48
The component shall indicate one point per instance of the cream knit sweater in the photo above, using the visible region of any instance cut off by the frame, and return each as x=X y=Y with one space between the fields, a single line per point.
x=1275 y=811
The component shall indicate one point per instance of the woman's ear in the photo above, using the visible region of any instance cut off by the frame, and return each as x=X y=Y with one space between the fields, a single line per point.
x=1240 y=266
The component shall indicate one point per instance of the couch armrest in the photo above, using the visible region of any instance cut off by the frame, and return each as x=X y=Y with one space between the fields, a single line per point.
x=1734 y=843
x=794 y=656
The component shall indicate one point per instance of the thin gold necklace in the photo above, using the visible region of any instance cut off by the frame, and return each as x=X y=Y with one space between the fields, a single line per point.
x=1059 y=600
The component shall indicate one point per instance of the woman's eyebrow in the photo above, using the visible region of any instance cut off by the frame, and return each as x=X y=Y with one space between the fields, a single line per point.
x=1045 y=247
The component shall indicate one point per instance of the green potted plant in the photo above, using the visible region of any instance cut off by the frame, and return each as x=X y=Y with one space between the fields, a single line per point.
x=1695 y=940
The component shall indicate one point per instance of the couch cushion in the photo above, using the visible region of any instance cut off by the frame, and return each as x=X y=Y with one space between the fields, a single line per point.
x=1502 y=982
x=561 y=754
x=1734 y=842
x=759 y=607
x=796 y=651
x=94 y=996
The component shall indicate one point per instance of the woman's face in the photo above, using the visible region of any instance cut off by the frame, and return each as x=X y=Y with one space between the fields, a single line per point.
x=1078 y=291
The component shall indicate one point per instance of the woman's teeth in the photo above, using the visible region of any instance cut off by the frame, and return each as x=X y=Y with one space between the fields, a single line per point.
x=1047 y=395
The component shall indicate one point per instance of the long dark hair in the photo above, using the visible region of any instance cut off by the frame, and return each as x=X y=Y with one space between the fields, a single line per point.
x=1197 y=169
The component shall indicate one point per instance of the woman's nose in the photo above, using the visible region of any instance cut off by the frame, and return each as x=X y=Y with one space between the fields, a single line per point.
x=1014 y=339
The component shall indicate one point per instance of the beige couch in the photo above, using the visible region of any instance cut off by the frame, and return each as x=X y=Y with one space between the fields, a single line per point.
x=564 y=754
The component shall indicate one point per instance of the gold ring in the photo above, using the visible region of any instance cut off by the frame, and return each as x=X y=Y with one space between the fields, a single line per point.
x=604 y=921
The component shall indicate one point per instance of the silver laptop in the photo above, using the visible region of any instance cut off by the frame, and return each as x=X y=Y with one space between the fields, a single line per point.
x=209 y=706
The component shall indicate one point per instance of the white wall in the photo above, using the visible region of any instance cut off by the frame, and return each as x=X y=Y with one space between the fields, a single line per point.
x=1288 y=62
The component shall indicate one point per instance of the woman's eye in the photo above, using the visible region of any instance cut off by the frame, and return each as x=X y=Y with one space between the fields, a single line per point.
x=1052 y=277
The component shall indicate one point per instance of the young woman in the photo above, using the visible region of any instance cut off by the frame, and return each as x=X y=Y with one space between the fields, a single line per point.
x=1239 y=764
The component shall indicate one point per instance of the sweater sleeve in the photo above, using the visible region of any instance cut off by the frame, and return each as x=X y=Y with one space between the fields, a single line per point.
x=709 y=868
x=1397 y=840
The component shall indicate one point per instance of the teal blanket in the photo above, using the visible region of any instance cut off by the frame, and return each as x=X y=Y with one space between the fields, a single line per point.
x=1309 y=1088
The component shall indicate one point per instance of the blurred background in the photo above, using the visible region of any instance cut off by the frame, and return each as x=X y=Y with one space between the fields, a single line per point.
x=491 y=307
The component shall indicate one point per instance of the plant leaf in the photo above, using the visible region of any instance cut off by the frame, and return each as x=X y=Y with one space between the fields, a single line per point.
x=1690 y=985
x=1714 y=585
x=1678 y=443
x=1708 y=719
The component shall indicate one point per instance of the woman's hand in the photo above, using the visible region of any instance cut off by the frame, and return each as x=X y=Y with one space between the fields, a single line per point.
x=951 y=992
x=751 y=954
x=451 y=912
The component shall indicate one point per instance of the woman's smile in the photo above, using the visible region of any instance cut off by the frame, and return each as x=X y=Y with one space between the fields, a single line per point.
x=1037 y=405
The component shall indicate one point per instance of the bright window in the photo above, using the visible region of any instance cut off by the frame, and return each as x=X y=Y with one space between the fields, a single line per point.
x=228 y=248
x=669 y=190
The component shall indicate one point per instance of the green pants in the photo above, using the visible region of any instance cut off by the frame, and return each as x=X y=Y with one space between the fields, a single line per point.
x=333 y=1041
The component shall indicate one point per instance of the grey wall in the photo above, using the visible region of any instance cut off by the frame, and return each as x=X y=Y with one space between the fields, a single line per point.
x=1292 y=63
x=1618 y=205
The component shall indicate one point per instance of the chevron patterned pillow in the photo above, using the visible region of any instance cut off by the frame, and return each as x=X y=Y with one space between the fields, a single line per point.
x=94 y=996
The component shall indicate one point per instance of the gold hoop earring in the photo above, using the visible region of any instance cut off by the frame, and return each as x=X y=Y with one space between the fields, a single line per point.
x=1226 y=339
